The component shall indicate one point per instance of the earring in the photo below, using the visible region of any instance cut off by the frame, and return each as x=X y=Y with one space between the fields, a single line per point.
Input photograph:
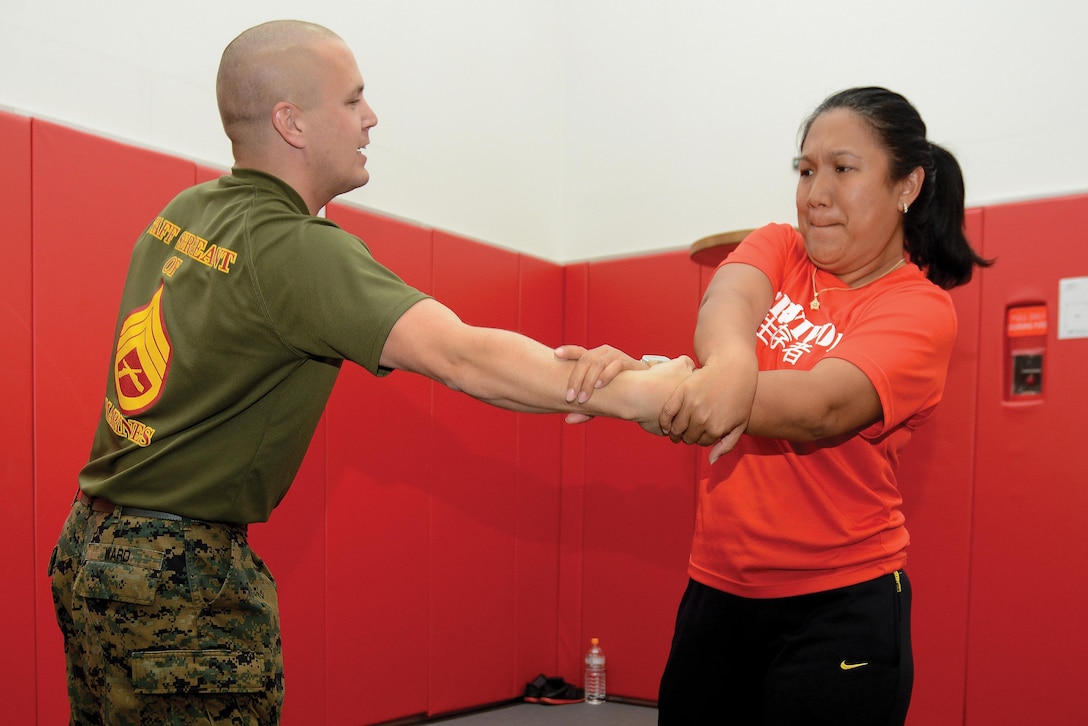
x=905 y=207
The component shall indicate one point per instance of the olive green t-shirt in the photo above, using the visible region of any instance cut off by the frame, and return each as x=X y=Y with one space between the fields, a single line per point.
x=238 y=309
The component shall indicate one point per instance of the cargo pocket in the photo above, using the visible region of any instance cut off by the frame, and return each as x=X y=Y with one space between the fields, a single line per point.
x=119 y=573
x=199 y=671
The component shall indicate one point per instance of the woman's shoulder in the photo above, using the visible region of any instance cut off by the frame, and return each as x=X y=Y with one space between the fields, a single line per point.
x=774 y=246
x=779 y=233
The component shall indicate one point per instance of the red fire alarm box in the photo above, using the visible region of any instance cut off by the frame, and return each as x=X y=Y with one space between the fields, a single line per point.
x=1025 y=340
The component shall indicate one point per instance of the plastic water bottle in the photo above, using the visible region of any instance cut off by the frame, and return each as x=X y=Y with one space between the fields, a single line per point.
x=595 y=685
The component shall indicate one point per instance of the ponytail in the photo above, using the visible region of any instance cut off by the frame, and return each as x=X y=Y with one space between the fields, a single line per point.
x=934 y=226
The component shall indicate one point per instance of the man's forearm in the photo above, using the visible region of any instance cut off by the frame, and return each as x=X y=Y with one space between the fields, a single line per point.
x=514 y=372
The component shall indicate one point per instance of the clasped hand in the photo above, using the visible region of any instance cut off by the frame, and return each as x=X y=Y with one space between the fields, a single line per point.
x=699 y=411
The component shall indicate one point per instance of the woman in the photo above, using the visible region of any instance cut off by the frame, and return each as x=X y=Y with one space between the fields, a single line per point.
x=798 y=608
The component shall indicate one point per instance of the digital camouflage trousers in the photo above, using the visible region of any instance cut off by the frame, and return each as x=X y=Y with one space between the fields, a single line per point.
x=165 y=622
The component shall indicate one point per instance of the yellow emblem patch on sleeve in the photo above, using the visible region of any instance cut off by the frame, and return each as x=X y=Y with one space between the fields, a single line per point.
x=142 y=358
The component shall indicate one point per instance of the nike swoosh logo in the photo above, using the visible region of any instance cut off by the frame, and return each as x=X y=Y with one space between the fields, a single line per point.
x=851 y=666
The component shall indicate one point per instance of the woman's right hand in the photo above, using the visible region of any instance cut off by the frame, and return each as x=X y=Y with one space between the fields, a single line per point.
x=594 y=368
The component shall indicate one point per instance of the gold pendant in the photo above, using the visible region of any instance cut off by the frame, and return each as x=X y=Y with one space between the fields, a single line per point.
x=815 y=304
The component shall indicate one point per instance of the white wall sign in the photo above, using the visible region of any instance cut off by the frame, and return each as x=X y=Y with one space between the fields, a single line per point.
x=1073 y=308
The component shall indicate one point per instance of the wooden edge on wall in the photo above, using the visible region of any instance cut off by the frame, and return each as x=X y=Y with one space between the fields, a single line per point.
x=711 y=250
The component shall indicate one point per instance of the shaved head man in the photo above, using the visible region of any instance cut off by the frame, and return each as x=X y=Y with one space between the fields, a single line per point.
x=238 y=310
x=290 y=96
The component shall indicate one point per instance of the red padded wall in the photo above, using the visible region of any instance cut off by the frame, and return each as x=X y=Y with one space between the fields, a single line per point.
x=378 y=511
x=1027 y=642
x=536 y=568
x=936 y=478
x=572 y=483
x=17 y=609
x=92 y=199
x=473 y=499
x=436 y=553
x=638 y=490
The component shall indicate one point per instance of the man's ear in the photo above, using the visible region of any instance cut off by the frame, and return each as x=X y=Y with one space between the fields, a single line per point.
x=288 y=122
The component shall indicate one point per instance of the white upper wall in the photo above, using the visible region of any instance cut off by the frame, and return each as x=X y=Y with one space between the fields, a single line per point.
x=582 y=129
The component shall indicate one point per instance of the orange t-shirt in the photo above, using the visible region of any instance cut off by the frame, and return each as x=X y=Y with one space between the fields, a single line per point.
x=777 y=518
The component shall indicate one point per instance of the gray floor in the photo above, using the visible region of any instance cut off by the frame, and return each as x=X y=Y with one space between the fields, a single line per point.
x=536 y=714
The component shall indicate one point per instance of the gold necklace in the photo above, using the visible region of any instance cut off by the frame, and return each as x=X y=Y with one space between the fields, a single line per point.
x=815 y=304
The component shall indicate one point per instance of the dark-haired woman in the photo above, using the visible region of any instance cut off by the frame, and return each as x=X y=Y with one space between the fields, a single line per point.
x=821 y=349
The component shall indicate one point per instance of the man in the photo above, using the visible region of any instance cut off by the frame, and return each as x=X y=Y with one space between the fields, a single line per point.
x=238 y=309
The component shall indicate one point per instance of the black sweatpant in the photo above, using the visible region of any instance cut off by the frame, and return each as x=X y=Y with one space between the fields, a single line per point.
x=836 y=657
